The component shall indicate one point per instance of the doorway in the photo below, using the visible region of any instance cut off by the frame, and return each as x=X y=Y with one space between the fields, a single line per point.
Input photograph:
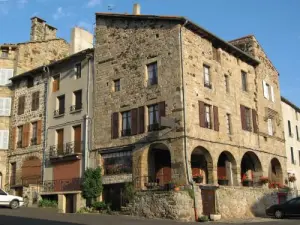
x=60 y=141
x=70 y=203
x=77 y=139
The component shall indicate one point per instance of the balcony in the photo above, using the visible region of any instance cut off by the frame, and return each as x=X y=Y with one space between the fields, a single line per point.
x=59 y=112
x=33 y=141
x=75 y=108
x=72 y=184
x=18 y=180
x=153 y=127
x=64 y=150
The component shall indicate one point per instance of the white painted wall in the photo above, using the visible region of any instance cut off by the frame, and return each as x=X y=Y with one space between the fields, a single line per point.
x=80 y=40
x=289 y=113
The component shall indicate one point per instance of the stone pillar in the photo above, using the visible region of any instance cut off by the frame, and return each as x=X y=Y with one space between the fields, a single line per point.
x=80 y=202
x=215 y=175
x=62 y=203
x=229 y=173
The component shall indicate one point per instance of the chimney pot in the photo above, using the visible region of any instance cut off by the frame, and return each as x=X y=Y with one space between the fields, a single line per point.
x=136 y=9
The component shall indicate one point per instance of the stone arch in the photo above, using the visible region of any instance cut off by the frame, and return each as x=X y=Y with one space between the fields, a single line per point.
x=31 y=170
x=275 y=172
x=251 y=169
x=159 y=164
x=227 y=169
x=202 y=164
x=1 y=180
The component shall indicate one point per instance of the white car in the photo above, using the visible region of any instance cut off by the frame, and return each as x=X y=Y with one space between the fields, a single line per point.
x=11 y=201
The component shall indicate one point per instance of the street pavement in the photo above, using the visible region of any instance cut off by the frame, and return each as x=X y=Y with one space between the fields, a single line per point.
x=35 y=216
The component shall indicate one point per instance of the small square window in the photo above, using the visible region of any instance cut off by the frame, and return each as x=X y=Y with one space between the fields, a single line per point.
x=117 y=85
x=244 y=81
x=78 y=70
x=4 y=53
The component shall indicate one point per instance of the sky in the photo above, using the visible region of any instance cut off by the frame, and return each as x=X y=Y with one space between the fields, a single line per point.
x=275 y=24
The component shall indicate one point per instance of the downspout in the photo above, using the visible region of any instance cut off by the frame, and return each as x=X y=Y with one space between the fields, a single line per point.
x=184 y=121
x=47 y=72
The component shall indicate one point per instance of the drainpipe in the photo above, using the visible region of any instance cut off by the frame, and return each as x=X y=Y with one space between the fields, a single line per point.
x=47 y=72
x=184 y=122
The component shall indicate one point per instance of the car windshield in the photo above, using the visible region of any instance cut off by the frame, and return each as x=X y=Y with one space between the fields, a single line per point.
x=2 y=192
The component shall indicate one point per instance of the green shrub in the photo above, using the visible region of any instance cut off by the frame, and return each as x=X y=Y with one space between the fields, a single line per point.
x=129 y=192
x=85 y=210
x=203 y=219
x=45 y=203
x=99 y=206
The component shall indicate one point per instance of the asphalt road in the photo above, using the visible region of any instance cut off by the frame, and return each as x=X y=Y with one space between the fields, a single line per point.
x=31 y=216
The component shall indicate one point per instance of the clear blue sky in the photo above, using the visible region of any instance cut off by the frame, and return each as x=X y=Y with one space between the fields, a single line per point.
x=275 y=23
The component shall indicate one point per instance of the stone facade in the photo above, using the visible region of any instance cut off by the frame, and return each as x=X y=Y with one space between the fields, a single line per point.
x=291 y=113
x=40 y=31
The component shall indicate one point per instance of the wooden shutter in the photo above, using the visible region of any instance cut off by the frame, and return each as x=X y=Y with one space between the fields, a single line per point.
x=134 y=122
x=25 y=136
x=13 y=139
x=141 y=120
x=162 y=109
x=201 y=114
x=39 y=132
x=243 y=118
x=216 y=118
x=254 y=118
x=115 y=125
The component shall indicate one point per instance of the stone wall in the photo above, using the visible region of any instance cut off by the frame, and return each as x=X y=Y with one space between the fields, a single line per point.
x=40 y=31
x=167 y=205
x=243 y=202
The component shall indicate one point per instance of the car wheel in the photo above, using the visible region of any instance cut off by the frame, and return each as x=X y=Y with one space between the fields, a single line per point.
x=14 y=204
x=278 y=214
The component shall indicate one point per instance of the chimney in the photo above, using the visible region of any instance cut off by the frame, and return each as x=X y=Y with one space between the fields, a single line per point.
x=136 y=9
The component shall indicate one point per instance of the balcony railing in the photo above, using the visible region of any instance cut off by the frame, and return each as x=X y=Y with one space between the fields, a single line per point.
x=19 y=180
x=126 y=132
x=69 y=148
x=72 y=184
x=74 y=108
x=59 y=112
x=153 y=127
x=33 y=141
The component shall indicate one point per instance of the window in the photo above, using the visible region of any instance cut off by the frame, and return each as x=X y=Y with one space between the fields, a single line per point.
x=30 y=82
x=117 y=86
x=5 y=75
x=153 y=113
x=78 y=101
x=4 y=136
x=126 y=123
x=77 y=139
x=20 y=136
x=61 y=106
x=226 y=83
x=297 y=133
x=292 y=156
x=55 y=83
x=78 y=70
x=34 y=133
x=4 y=53
x=228 y=123
x=290 y=129
x=244 y=81
x=35 y=101
x=60 y=141
x=248 y=118
x=206 y=75
x=268 y=91
x=152 y=73
x=5 y=106
x=13 y=173
x=208 y=123
x=21 y=105
x=270 y=127
x=117 y=163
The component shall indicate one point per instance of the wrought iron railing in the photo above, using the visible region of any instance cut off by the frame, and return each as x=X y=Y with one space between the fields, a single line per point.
x=19 y=180
x=73 y=184
x=59 y=112
x=153 y=127
x=75 y=107
x=69 y=148
x=126 y=132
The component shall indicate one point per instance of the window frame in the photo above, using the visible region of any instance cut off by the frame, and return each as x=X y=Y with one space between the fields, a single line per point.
x=152 y=73
x=248 y=119
x=270 y=126
x=77 y=105
x=244 y=77
x=290 y=128
x=228 y=123
x=153 y=117
x=207 y=76
x=208 y=116
x=21 y=105
x=127 y=126
x=292 y=155
x=61 y=111
x=117 y=85
x=34 y=135
x=20 y=136
x=35 y=100
x=78 y=69
x=57 y=79
x=227 y=88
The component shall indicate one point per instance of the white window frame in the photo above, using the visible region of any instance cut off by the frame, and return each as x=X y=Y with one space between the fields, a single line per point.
x=270 y=127
x=5 y=106
x=206 y=72
x=4 y=139
x=266 y=90
x=5 y=75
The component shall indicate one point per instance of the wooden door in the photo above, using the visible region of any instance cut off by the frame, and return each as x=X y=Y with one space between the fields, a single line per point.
x=70 y=203
x=208 y=201
x=60 y=141
x=163 y=167
x=77 y=138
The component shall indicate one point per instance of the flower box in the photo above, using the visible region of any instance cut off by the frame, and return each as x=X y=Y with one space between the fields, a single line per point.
x=248 y=183
x=223 y=182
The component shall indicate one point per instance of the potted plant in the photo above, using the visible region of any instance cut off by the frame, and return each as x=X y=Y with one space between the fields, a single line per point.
x=247 y=181
x=222 y=180
x=198 y=178
x=292 y=178
x=264 y=180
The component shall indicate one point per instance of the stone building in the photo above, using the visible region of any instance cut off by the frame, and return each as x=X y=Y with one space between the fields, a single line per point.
x=291 y=120
x=181 y=104
x=17 y=59
x=69 y=113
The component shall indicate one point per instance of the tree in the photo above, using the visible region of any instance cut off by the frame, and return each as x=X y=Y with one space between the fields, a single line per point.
x=92 y=184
